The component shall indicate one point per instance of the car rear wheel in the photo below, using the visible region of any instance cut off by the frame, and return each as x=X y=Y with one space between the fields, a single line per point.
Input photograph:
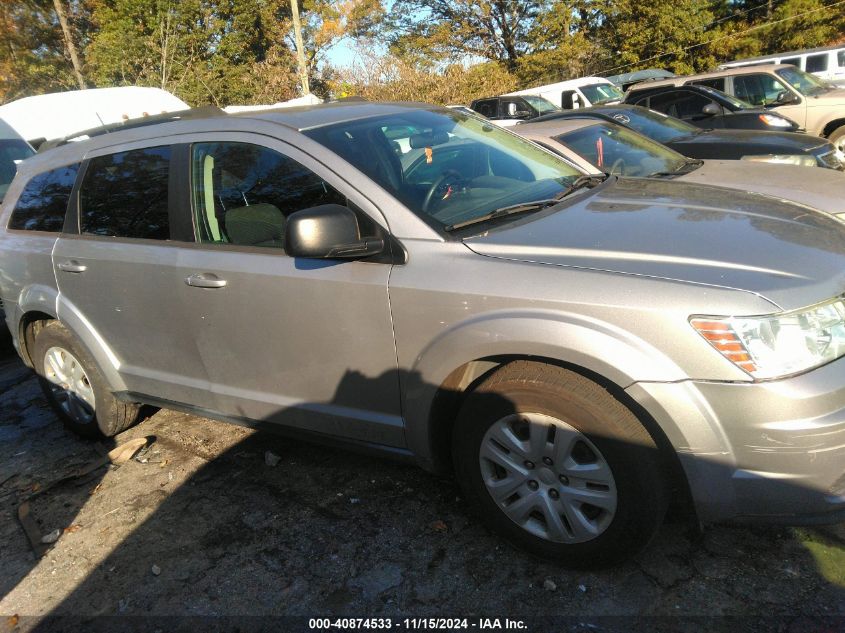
x=75 y=387
x=557 y=465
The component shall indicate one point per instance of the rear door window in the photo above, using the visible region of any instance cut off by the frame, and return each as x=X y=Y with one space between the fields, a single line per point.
x=43 y=203
x=487 y=108
x=840 y=57
x=126 y=195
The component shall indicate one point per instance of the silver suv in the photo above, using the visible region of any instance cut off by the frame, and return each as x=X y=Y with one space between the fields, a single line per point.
x=579 y=350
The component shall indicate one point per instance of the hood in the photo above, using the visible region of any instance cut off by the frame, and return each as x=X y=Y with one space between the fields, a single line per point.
x=755 y=141
x=825 y=98
x=822 y=189
x=792 y=255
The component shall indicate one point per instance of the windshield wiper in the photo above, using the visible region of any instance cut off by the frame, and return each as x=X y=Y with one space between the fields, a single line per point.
x=580 y=182
x=514 y=209
x=685 y=168
x=529 y=207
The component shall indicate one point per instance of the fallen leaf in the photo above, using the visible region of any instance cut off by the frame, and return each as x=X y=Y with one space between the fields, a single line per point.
x=12 y=621
x=36 y=487
x=439 y=526
x=73 y=528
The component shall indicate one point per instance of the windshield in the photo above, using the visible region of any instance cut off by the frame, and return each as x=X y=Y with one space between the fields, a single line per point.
x=602 y=93
x=617 y=150
x=12 y=151
x=804 y=83
x=655 y=125
x=445 y=166
x=543 y=106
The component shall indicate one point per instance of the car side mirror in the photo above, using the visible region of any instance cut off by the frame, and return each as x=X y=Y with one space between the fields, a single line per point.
x=785 y=98
x=711 y=109
x=329 y=231
x=515 y=113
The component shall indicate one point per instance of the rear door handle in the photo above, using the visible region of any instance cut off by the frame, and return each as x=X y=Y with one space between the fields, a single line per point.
x=72 y=266
x=205 y=280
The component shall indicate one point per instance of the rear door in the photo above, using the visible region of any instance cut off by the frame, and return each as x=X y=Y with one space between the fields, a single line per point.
x=117 y=271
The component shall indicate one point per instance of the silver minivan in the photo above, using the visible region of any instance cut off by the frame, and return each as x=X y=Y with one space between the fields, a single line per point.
x=579 y=350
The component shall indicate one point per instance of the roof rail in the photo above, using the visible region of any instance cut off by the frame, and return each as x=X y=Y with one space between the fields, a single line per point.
x=179 y=115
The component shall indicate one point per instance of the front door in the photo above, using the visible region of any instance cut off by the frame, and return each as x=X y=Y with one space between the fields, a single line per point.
x=303 y=343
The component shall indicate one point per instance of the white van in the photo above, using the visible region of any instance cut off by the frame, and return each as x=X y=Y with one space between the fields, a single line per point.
x=577 y=93
x=61 y=114
x=827 y=63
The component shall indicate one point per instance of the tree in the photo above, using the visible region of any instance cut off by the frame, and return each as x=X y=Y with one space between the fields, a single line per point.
x=435 y=30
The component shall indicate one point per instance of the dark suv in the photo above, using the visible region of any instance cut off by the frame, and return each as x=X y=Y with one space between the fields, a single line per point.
x=708 y=108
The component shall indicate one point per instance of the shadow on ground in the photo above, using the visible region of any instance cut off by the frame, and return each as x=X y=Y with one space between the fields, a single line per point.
x=200 y=525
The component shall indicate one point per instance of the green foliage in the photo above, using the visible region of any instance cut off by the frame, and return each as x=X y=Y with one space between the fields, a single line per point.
x=241 y=51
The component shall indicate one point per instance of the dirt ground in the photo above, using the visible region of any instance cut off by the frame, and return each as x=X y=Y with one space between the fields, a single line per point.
x=199 y=530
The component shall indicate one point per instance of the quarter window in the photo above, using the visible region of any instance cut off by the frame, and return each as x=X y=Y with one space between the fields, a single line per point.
x=243 y=193
x=792 y=61
x=840 y=57
x=43 y=203
x=125 y=195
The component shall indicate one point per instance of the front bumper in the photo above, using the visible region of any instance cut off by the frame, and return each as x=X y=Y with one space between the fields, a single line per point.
x=764 y=450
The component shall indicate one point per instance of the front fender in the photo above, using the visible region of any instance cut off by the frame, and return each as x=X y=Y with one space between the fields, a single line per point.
x=594 y=345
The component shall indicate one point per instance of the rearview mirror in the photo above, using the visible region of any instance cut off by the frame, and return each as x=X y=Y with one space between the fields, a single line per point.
x=711 y=109
x=329 y=231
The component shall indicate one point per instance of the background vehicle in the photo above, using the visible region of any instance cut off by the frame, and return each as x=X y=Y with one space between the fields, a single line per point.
x=472 y=301
x=694 y=142
x=626 y=80
x=61 y=114
x=612 y=148
x=13 y=149
x=814 y=104
x=576 y=93
x=826 y=63
x=508 y=110
x=708 y=108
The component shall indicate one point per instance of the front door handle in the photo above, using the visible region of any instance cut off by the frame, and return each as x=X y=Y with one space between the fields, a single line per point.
x=72 y=266
x=205 y=280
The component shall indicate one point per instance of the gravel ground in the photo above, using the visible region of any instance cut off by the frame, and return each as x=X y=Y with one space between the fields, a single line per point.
x=200 y=525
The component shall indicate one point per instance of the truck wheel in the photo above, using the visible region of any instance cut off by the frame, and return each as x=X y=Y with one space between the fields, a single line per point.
x=558 y=466
x=75 y=387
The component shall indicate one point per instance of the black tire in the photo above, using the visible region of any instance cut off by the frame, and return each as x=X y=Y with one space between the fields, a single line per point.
x=525 y=387
x=111 y=416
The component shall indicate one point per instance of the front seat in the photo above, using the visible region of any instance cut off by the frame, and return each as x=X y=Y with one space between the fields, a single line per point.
x=256 y=225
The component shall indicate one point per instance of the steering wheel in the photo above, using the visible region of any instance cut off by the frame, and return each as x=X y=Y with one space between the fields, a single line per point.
x=618 y=166
x=437 y=192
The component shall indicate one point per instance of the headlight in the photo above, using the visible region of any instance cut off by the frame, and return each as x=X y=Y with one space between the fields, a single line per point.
x=777 y=345
x=774 y=120
x=804 y=160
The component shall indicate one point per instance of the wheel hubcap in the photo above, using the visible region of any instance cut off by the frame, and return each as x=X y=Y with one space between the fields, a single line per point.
x=569 y=497
x=69 y=384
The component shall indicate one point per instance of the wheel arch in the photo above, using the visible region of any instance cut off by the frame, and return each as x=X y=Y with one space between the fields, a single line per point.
x=831 y=126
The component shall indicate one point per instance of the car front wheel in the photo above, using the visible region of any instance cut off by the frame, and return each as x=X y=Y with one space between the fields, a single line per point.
x=557 y=465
